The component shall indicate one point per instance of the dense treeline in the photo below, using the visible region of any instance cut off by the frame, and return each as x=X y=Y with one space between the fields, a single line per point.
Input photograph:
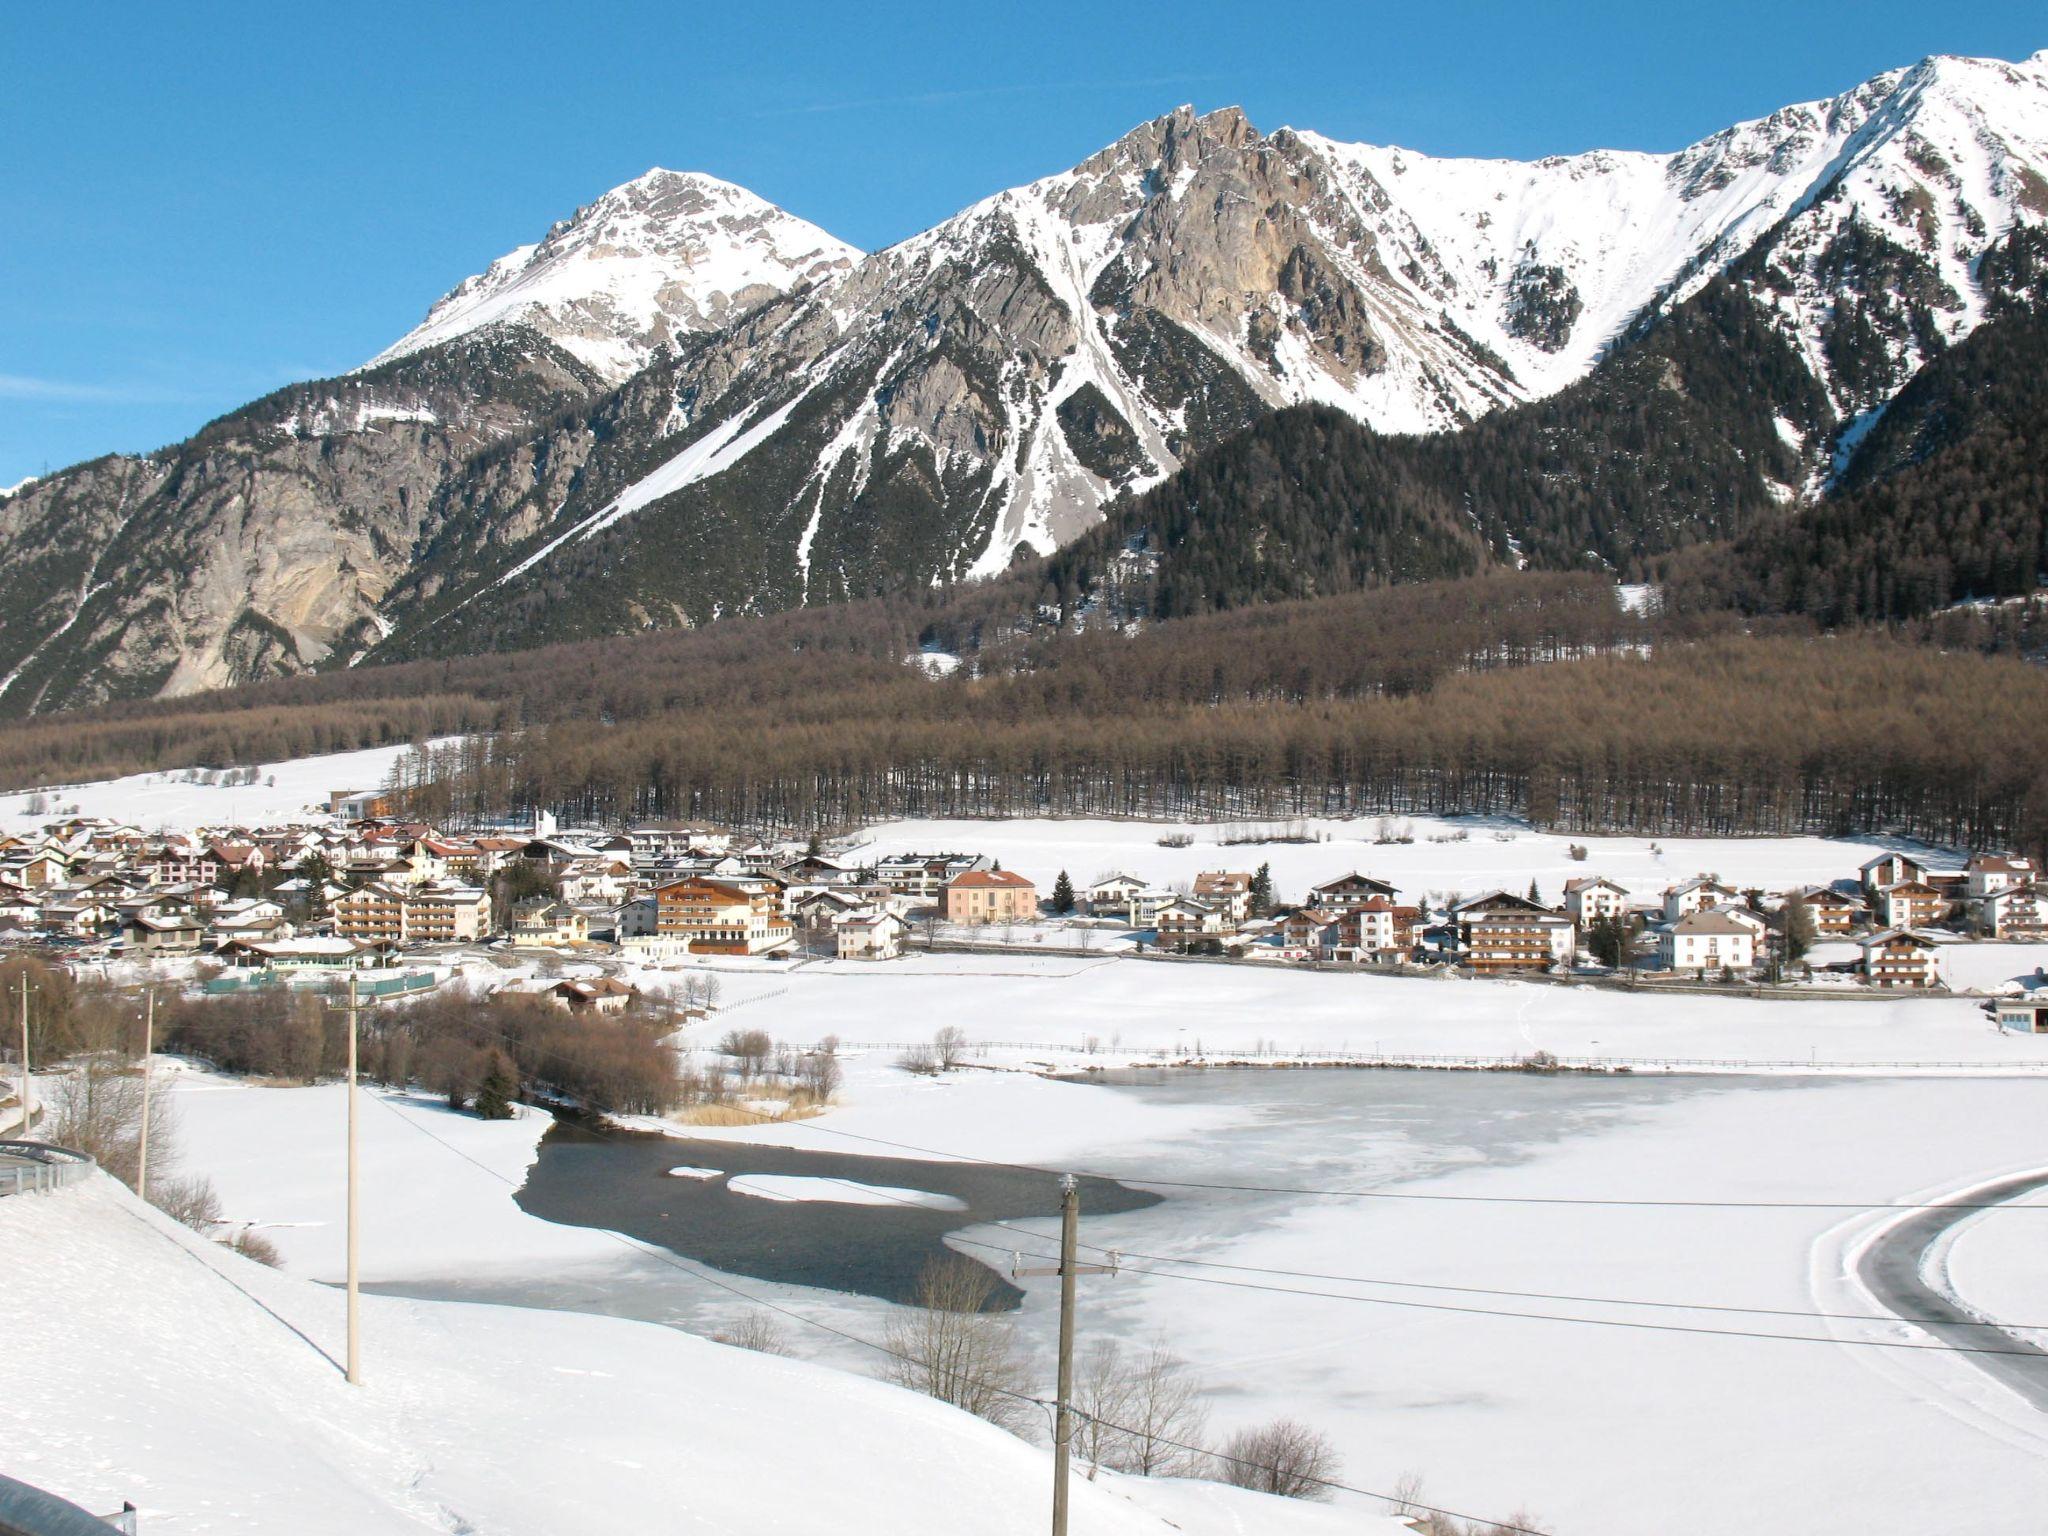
x=1718 y=736
x=1945 y=500
x=1511 y=693
x=1302 y=503
x=802 y=663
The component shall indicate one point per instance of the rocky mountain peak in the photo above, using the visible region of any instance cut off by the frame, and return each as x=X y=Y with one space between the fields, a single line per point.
x=664 y=255
x=844 y=424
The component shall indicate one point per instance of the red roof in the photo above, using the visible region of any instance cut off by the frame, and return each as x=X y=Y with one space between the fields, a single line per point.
x=976 y=879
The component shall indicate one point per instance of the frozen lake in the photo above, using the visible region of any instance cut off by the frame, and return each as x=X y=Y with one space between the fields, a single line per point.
x=1435 y=1341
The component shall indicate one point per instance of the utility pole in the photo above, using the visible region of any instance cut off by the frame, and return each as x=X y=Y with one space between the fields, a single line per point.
x=1067 y=1269
x=27 y=1113
x=148 y=1049
x=355 y=1335
x=1063 y=1429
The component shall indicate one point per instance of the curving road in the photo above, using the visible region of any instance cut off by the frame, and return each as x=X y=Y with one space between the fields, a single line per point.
x=1892 y=1268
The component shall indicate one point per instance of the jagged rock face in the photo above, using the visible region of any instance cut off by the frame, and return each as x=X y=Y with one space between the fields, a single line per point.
x=975 y=393
x=264 y=545
x=664 y=257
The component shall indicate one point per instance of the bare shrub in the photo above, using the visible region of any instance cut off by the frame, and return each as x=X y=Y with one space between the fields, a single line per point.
x=762 y=1332
x=1284 y=1457
x=189 y=1200
x=948 y=1346
x=1520 y=1523
x=251 y=1244
x=921 y=1059
x=821 y=1073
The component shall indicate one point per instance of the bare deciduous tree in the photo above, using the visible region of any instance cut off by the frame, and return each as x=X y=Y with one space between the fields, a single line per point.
x=1139 y=1413
x=750 y=1048
x=1407 y=1495
x=1284 y=1457
x=950 y=1347
x=96 y=1108
x=949 y=1045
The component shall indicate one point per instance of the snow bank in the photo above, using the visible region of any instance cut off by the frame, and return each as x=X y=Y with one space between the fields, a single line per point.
x=777 y=1186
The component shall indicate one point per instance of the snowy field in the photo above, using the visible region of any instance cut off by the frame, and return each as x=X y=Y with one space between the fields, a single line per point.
x=1075 y=1011
x=1996 y=1265
x=143 y=1363
x=175 y=801
x=1493 y=854
x=1832 y=1432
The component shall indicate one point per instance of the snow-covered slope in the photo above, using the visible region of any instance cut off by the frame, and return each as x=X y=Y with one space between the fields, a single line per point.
x=1053 y=345
x=147 y=1364
x=667 y=254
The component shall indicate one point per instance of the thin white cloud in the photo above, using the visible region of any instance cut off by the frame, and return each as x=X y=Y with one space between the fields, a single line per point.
x=979 y=93
x=21 y=386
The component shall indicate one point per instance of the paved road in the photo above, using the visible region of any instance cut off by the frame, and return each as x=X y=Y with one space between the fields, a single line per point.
x=1892 y=1269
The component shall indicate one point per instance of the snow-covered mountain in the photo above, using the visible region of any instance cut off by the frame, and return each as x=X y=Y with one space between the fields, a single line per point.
x=543 y=456
x=980 y=389
x=667 y=254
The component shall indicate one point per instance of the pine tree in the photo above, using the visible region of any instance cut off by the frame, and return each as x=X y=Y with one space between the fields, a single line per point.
x=1535 y=895
x=1798 y=929
x=1262 y=891
x=498 y=1090
x=1063 y=894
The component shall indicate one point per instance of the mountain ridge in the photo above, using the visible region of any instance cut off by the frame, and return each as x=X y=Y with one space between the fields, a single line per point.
x=978 y=394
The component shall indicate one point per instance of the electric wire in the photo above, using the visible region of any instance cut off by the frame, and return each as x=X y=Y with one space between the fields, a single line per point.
x=676 y=1262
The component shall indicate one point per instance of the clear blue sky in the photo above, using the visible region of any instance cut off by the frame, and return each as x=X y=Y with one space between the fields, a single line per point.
x=199 y=202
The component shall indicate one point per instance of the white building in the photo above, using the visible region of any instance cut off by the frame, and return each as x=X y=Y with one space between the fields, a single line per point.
x=1113 y=893
x=1707 y=941
x=870 y=936
x=1593 y=898
x=1701 y=891
x=1990 y=873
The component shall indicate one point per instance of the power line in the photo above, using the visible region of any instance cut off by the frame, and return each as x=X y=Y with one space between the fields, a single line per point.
x=1426 y=1196
x=1564 y=1296
x=1383 y=1301
x=674 y=1261
x=1394 y=1194
x=1551 y=1317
